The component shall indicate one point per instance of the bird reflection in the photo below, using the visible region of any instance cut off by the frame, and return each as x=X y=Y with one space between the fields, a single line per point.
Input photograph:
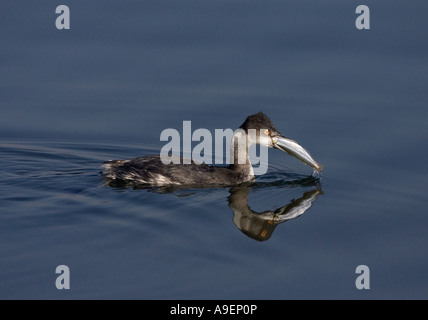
x=260 y=225
x=256 y=225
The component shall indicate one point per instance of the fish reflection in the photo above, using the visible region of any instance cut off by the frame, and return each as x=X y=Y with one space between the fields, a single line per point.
x=260 y=226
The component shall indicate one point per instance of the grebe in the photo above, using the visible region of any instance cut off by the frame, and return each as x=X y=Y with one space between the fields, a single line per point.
x=151 y=171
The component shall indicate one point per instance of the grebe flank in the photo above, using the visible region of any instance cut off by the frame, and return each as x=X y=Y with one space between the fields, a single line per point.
x=151 y=171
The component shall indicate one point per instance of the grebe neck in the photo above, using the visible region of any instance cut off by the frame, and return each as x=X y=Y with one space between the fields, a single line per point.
x=239 y=149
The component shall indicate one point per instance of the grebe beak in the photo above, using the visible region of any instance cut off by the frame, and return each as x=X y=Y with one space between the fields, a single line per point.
x=293 y=148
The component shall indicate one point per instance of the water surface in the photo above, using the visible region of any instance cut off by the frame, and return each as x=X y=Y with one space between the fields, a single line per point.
x=106 y=88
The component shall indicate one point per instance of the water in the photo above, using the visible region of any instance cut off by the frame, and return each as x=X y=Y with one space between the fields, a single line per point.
x=107 y=87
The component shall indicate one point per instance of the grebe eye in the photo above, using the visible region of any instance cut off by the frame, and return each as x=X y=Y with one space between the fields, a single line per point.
x=267 y=132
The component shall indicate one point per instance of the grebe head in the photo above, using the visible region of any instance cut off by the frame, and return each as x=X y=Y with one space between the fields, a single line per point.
x=268 y=136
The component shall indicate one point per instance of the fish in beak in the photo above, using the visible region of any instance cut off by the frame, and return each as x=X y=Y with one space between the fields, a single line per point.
x=293 y=148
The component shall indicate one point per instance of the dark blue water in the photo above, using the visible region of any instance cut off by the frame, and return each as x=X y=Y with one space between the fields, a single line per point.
x=106 y=88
